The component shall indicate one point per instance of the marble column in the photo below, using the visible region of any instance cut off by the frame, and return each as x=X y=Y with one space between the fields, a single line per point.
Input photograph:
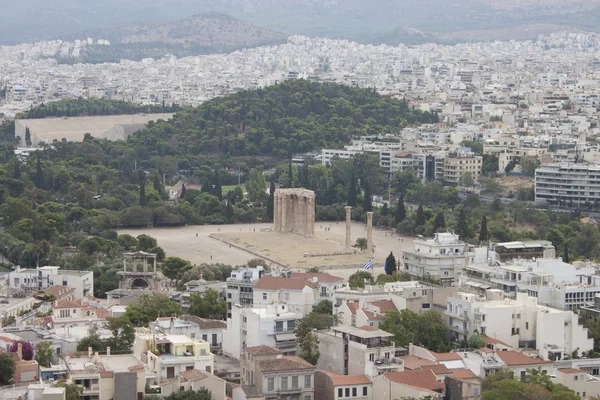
x=275 y=212
x=348 y=227
x=370 y=233
x=284 y=211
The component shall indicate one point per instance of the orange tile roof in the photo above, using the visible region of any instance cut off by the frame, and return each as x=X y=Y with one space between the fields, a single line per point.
x=262 y=350
x=67 y=304
x=352 y=307
x=415 y=362
x=438 y=369
x=322 y=277
x=194 y=375
x=571 y=371
x=385 y=305
x=492 y=340
x=371 y=315
x=269 y=282
x=446 y=356
x=346 y=380
x=463 y=373
x=424 y=379
x=368 y=328
x=511 y=358
x=286 y=363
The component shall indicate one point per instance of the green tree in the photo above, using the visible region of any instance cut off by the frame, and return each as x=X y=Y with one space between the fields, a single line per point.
x=43 y=353
x=440 y=221
x=556 y=237
x=217 y=189
x=351 y=199
x=92 y=341
x=323 y=307
x=229 y=212
x=173 y=266
x=309 y=346
x=39 y=179
x=150 y=307
x=72 y=391
x=256 y=185
x=420 y=219
x=208 y=305
x=466 y=179
x=123 y=334
x=184 y=191
x=7 y=368
x=160 y=188
x=477 y=342
x=367 y=199
x=142 y=178
x=359 y=278
x=566 y=257
x=462 y=227
x=483 y=231
x=400 y=211
x=361 y=244
x=145 y=242
x=390 y=264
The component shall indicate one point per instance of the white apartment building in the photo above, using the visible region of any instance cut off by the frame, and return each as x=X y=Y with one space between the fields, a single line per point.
x=169 y=354
x=442 y=258
x=299 y=294
x=240 y=286
x=518 y=323
x=457 y=165
x=42 y=278
x=261 y=325
x=567 y=184
x=209 y=330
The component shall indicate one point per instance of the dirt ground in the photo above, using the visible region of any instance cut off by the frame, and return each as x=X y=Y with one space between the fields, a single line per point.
x=512 y=182
x=194 y=243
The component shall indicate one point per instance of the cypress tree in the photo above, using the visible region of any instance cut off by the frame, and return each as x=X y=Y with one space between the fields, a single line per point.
x=462 y=227
x=183 y=190
x=367 y=199
x=390 y=264
x=400 y=211
x=17 y=169
x=218 y=189
x=291 y=173
x=229 y=212
x=39 y=173
x=27 y=136
x=420 y=220
x=351 y=200
x=271 y=201
x=143 y=200
x=305 y=181
x=483 y=232
x=440 y=221
x=158 y=186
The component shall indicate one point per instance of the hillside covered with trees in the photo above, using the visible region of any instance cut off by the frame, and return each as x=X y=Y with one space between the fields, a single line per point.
x=292 y=117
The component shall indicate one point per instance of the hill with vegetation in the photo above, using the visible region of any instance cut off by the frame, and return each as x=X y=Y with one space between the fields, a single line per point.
x=292 y=117
x=204 y=33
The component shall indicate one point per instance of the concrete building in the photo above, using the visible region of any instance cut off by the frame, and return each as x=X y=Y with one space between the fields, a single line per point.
x=167 y=355
x=460 y=164
x=277 y=376
x=520 y=323
x=299 y=294
x=240 y=286
x=442 y=258
x=330 y=385
x=209 y=330
x=12 y=308
x=265 y=325
x=584 y=385
x=408 y=384
x=194 y=380
x=75 y=312
x=526 y=249
x=42 y=278
x=366 y=350
x=118 y=377
x=568 y=184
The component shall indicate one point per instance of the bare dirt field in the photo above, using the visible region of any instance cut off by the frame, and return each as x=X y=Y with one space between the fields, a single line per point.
x=512 y=182
x=194 y=243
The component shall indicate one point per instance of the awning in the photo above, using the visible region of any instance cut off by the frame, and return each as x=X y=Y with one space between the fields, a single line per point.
x=478 y=285
x=283 y=337
x=162 y=341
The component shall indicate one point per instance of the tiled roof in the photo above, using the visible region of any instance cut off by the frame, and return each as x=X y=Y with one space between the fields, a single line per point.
x=511 y=358
x=286 y=363
x=463 y=374
x=345 y=380
x=67 y=304
x=368 y=328
x=424 y=379
x=438 y=369
x=262 y=350
x=492 y=340
x=371 y=316
x=269 y=282
x=352 y=307
x=385 y=305
x=446 y=356
x=138 y=367
x=325 y=278
x=571 y=371
x=194 y=375
x=415 y=362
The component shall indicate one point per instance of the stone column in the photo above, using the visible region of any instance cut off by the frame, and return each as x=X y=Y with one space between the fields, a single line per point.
x=276 y=212
x=370 y=233
x=348 y=227
x=284 y=211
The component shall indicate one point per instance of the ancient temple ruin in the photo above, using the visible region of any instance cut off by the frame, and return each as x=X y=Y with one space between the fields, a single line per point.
x=294 y=211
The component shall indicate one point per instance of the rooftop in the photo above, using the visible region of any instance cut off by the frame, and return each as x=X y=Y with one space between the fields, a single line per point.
x=262 y=350
x=286 y=363
x=363 y=333
x=424 y=379
x=268 y=282
x=345 y=380
x=512 y=358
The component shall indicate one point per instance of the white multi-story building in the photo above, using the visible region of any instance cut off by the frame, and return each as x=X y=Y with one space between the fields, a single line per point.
x=240 y=286
x=458 y=165
x=568 y=184
x=261 y=325
x=49 y=276
x=298 y=294
x=442 y=258
x=209 y=330
x=518 y=323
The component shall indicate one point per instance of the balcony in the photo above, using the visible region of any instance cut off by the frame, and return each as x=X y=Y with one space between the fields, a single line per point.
x=463 y=316
x=290 y=390
x=91 y=389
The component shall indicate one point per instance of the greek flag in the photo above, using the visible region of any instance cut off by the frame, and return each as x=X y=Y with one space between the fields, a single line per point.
x=369 y=264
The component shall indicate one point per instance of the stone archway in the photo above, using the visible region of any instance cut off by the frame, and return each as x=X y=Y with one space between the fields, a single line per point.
x=139 y=283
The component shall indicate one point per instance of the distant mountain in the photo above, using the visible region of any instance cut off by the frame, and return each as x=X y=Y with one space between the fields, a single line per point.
x=204 y=33
x=352 y=19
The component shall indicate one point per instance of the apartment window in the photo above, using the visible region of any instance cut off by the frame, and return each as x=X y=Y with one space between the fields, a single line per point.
x=340 y=392
x=208 y=369
x=264 y=296
x=294 y=382
x=576 y=377
x=347 y=392
x=518 y=316
x=307 y=381
x=284 y=383
x=526 y=325
x=372 y=357
x=205 y=338
x=287 y=297
x=365 y=390
x=307 y=397
x=189 y=368
x=353 y=392
x=270 y=383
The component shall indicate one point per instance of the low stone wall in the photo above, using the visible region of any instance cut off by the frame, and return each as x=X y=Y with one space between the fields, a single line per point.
x=237 y=246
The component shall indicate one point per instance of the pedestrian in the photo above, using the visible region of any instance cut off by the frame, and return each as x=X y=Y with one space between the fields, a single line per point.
x=211 y=256
x=196 y=234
